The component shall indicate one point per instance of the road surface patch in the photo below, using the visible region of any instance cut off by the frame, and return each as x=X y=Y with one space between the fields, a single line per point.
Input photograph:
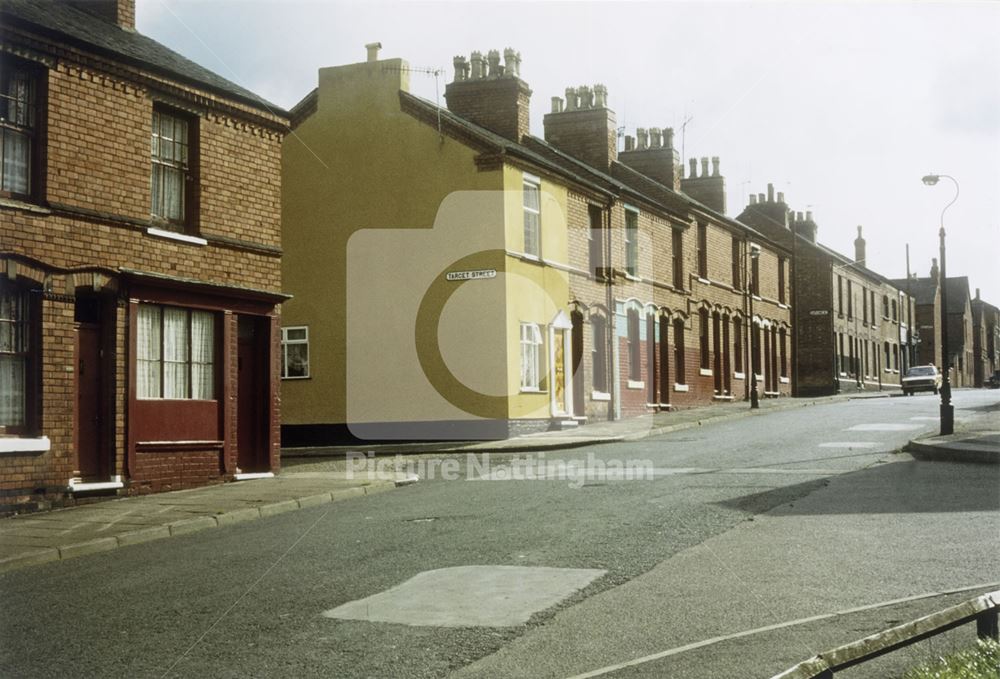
x=469 y=596
x=847 y=444
x=884 y=426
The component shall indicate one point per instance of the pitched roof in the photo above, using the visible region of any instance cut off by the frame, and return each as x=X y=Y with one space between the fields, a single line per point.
x=89 y=32
x=622 y=180
x=923 y=290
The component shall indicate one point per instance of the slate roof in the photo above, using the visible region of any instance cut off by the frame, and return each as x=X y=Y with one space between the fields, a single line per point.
x=81 y=29
x=622 y=180
x=922 y=289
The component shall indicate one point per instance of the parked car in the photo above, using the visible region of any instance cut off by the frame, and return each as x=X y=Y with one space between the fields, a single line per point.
x=922 y=378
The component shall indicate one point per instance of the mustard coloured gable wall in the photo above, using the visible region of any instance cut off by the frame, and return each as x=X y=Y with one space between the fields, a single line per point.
x=378 y=208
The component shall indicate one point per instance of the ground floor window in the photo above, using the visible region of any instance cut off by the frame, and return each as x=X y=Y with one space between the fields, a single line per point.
x=175 y=353
x=294 y=352
x=18 y=343
x=531 y=355
x=599 y=328
x=679 y=373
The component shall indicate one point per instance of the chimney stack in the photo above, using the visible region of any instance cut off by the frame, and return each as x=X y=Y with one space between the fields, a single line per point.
x=859 y=248
x=373 y=48
x=118 y=12
x=492 y=95
x=935 y=272
x=586 y=129
x=772 y=218
x=659 y=160
x=709 y=188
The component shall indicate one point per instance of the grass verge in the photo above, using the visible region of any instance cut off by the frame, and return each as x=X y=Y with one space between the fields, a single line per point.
x=981 y=662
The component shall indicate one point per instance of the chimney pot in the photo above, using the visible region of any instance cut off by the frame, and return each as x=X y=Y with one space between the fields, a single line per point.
x=586 y=97
x=557 y=104
x=629 y=142
x=781 y=197
x=753 y=199
x=493 y=58
x=977 y=293
x=809 y=215
x=512 y=63
x=461 y=68
x=643 y=135
x=655 y=137
x=770 y=193
x=477 y=65
x=571 y=100
x=693 y=162
x=760 y=198
x=373 y=48
x=600 y=96
x=798 y=217
x=668 y=137
x=704 y=167
x=715 y=166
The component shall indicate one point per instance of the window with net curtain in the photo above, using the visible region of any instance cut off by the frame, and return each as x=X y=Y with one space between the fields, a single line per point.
x=170 y=156
x=17 y=128
x=14 y=346
x=175 y=351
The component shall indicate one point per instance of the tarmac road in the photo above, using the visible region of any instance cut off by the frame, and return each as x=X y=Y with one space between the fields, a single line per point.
x=741 y=525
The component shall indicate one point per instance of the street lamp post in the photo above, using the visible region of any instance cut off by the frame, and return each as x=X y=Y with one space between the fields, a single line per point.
x=754 y=398
x=947 y=410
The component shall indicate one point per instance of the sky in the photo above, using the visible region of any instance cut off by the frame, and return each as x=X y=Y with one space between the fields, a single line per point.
x=843 y=106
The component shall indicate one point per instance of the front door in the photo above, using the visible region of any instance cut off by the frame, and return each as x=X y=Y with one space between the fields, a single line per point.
x=91 y=464
x=251 y=399
x=578 y=395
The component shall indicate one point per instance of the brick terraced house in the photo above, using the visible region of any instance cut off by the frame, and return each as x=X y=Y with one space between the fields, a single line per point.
x=504 y=283
x=985 y=340
x=853 y=325
x=140 y=262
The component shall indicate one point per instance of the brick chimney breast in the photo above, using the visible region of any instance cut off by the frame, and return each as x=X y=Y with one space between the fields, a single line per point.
x=654 y=156
x=491 y=95
x=710 y=187
x=118 y=12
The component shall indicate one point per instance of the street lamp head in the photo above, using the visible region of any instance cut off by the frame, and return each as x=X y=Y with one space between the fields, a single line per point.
x=931 y=179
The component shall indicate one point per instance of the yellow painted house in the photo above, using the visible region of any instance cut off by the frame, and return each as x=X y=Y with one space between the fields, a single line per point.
x=428 y=259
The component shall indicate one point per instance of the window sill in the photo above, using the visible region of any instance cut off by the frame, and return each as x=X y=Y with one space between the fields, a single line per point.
x=173 y=235
x=783 y=380
x=702 y=279
x=705 y=372
x=528 y=390
x=680 y=387
x=15 y=445
x=297 y=377
x=600 y=396
x=739 y=376
x=24 y=205
x=782 y=305
x=632 y=277
x=77 y=485
x=722 y=397
x=636 y=384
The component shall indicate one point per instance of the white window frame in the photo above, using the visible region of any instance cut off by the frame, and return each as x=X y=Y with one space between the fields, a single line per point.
x=531 y=357
x=192 y=365
x=170 y=157
x=285 y=342
x=532 y=216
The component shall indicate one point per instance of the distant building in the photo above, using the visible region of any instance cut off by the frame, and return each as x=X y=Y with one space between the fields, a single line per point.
x=927 y=294
x=985 y=340
x=140 y=251
x=455 y=276
x=852 y=324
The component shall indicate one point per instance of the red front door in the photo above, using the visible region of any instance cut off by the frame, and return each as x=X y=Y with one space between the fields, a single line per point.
x=91 y=463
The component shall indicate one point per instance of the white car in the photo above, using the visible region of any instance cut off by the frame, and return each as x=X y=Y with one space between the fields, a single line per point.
x=921 y=378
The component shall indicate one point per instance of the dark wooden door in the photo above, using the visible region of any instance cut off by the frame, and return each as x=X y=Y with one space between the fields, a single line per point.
x=88 y=402
x=579 y=407
x=251 y=397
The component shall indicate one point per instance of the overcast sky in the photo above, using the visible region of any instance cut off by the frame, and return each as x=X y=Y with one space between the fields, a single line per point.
x=843 y=106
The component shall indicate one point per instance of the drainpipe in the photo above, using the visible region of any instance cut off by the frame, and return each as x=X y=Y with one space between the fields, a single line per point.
x=614 y=408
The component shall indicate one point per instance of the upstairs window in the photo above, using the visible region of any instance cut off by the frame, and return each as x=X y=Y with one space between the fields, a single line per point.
x=895 y=311
x=171 y=177
x=781 y=280
x=295 y=353
x=532 y=216
x=702 y=250
x=737 y=269
x=175 y=353
x=677 y=253
x=18 y=127
x=595 y=236
x=599 y=329
x=703 y=339
x=755 y=275
x=840 y=295
x=850 y=298
x=631 y=243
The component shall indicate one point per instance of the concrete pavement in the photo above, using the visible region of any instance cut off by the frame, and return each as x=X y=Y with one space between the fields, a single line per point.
x=41 y=537
x=976 y=439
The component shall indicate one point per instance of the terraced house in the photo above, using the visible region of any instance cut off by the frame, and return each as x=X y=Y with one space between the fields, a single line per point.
x=139 y=262
x=455 y=276
x=854 y=327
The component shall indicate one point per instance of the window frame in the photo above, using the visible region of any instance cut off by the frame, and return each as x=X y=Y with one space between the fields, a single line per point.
x=598 y=352
x=531 y=342
x=187 y=222
x=737 y=256
x=680 y=372
x=704 y=350
x=285 y=342
x=782 y=279
x=31 y=130
x=595 y=241
x=28 y=298
x=702 y=250
x=677 y=257
x=634 y=348
x=189 y=361
x=532 y=215
x=631 y=242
